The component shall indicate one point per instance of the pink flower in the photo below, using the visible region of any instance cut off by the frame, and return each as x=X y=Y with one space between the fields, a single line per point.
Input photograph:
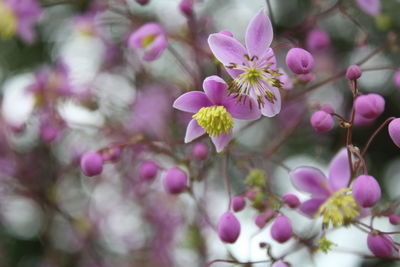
x=318 y=40
x=213 y=111
x=253 y=68
x=150 y=39
x=371 y=7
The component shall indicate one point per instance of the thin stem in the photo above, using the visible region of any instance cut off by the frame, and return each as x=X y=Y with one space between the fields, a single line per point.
x=226 y=180
x=387 y=121
x=181 y=61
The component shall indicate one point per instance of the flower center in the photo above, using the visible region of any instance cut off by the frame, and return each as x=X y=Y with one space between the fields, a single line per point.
x=214 y=120
x=339 y=209
x=257 y=77
x=147 y=40
x=8 y=21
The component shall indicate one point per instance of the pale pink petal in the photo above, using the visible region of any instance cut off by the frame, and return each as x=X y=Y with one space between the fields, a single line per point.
x=215 y=89
x=311 y=206
x=226 y=49
x=310 y=180
x=243 y=110
x=155 y=49
x=221 y=141
x=192 y=101
x=193 y=131
x=271 y=109
x=259 y=35
x=339 y=171
x=371 y=7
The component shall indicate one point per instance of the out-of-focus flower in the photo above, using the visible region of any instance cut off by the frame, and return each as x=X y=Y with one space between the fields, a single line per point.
x=394 y=219
x=322 y=121
x=330 y=198
x=281 y=229
x=291 y=200
x=228 y=228
x=366 y=191
x=200 y=151
x=318 y=40
x=370 y=106
x=238 y=203
x=280 y=263
x=150 y=40
x=175 y=180
x=186 y=7
x=380 y=245
x=253 y=68
x=394 y=131
x=371 y=7
x=396 y=79
x=285 y=79
x=19 y=17
x=92 y=163
x=214 y=111
x=148 y=170
x=299 y=61
x=353 y=72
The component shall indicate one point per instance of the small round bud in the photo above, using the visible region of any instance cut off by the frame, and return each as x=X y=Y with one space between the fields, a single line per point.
x=396 y=78
x=281 y=229
x=186 y=7
x=322 y=121
x=394 y=219
x=394 y=131
x=148 y=170
x=370 y=106
x=227 y=33
x=366 y=191
x=353 y=72
x=228 y=228
x=262 y=219
x=380 y=245
x=299 y=61
x=200 y=151
x=318 y=40
x=92 y=163
x=142 y=2
x=49 y=133
x=280 y=263
x=291 y=200
x=361 y=121
x=175 y=180
x=112 y=154
x=238 y=203
x=306 y=78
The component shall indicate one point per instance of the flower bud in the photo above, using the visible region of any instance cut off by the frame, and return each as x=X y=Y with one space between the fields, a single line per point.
x=291 y=200
x=306 y=78
x=394 y=131
x=92 y=163
x=142 y=2
x=318 y=40
x=238 y=203
x=299 y=61
x=49 y=132
x=397 y=79
x=175 y=180
x=353 y=72
x=394 y=219
x=112 y=154
x=280 y=263
x=328 y=108
x=366 y=191
x=227 y=33
x=262 y=219
x=200 y=151
x=380 y=245
x=281 y=229
x=186 y=7
x=228 y=228
x=362 y=121
x=370 y=106
x=321 y=121
x=148 y=170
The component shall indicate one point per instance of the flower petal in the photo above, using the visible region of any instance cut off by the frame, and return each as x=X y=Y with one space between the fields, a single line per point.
x=193 y=131
x=215 y=89
x=311 y=180
x=221 y=141
x=339 y=171
x=227 y=49
x=192 y=101
x=243 y=110
x=271 y=109
x=259 y=35
x=311 y=206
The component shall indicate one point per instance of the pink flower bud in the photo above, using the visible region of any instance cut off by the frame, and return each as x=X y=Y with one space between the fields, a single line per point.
x=306 y=78
x=200 y=151
x=142 y=2
x=227 y=33
x=397 y=79
x=92 y=163
x=238 y=203
x=175 y=180
x=228 y=228
x=366 y=191
x=394 y=131
x=113 y=154
x=370 y=106
x=149 y=39
x=327 y=108
x=353 y=72
x=318 y=40
x=299 y=61
x=361 y=121
x=394 y=219
x=148 y=170
x=380 y=245
x=280 y=263
x=186 y=6
x=262 y=219
x=281 y=229
x=321 y=121
x=291 y=200
x=49 y=132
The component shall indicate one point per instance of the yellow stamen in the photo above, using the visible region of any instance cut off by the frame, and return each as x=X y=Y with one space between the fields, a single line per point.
x=339 y=209
x=325 y=245
x=8 y=21
x=146 y=41
x=214 y=120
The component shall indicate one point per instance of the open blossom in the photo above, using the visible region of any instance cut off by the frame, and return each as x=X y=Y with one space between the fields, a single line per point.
x=214 y=111
x=19 y=17
x=253 y=68
x=330 y=198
